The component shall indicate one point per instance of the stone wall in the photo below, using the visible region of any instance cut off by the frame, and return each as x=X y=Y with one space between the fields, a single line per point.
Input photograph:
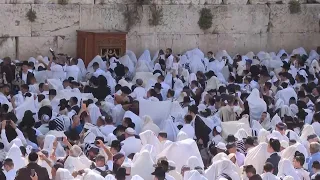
x=237 y=25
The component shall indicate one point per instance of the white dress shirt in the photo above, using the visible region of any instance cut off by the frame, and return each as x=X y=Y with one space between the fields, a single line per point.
x=189 y=130
x=98 y=72
x=24 y=77
x=107 y=129
x=131 y=145
x=169 y=62
x=10 y=175
x=140 y=92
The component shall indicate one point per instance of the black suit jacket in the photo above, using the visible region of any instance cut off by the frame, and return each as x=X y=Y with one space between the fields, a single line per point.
x=76 y=108
x=24 y=173
x=274 y=160
x=202 y=131
x=29 y=75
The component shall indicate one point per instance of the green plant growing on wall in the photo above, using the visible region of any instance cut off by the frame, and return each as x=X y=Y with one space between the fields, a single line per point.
x=31 y=15
x=156 y=15
x=294 y=7
x=143 y=2
x=131 y=17
x=205 y=19
x=63 y=2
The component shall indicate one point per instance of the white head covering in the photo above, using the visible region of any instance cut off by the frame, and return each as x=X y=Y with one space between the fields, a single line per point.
x=16 y=156
x=241 y=134
x=182 y=136
x=136 y=177
x=306 y=131
x=194 y=175
x=263 y=134
x=90 y=175
x=257 y=157
x=289 y=152
x=143 y=165
x=222 y=167
x=193 y=162
x=63 y=174
x=286 y=168
x=15 y=141
x=149 y=125
x=98 y=59
x=256 y=105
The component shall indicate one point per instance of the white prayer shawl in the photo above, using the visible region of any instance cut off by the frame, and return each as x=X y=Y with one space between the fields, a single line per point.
x=82 y=68
x=262 y=136
x=275 y=120
x=63 y=174
x=196 y=64
x=111 y=177
x=94 y=113
x=193 y=162
x=151 y=108
x=132 y=56
x=300 y=51
x=74 y=164
x=123 y=82
x=15 y=154
x=289 y=152
x=232 y=127
x=266 y=124
x=28 y=104
x=34 y=88
x=149 y=125
x=179 y=152
x=193 y=175
x=149 y=137
x=177 y=87
x=143 y=66
x=98 y=59
x=269 y=176
x=126 y=61
x=90 y=175
x=286 y=94
x=293 y=135
x=41 y=76
x=212 y=83
x=306 y=131
x=256 y=105
x=117 y=114
x=143 y=165
x=169 y=127
x=241 y=134
x=257 y=157
x=222 y=53
x=282 y=51
x=182 y=136
x=286 y=168
x=135 y=119
x=192 y=77
x=222 y=167
x=48 y=143
x=314 y=67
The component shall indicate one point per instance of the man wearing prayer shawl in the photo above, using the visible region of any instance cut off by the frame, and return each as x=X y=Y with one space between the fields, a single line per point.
x=202 y=131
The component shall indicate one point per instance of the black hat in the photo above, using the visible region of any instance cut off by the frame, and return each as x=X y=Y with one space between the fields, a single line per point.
x=52 y=92
x=231 y=138
x=159 y=172
x=28 y=113
x=63 y=102
x=249 y=140
x=157 y=86
x=285 y=65
x=119 y=128
x=281 y=126
x=115 y=144
x=25 y=63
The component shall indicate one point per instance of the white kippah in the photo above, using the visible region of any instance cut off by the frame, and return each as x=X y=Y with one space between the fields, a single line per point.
x=218 y=128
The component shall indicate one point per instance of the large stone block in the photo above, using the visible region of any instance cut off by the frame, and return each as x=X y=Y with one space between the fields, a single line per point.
x=68 y=2
x=56 y=20
x=8 y=47
x=306 y=21
x=240 y=43
x=102 y=17
x=33 y=46
x=240 y=19
x=19 y=1
x=208 y=42
x=237 y=2
x=13 y=20
x=67 y=45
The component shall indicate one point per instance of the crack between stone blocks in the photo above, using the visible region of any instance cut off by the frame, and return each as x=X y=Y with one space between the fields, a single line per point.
x=269 y=26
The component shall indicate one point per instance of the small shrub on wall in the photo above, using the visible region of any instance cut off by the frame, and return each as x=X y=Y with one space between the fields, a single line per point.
x=205 y=20
x=156 y=16
x=294 y=7
x=31 y=15
x=63 y=2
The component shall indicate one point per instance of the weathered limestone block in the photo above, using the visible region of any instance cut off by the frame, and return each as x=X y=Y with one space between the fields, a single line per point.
x=2 y=1
x=240 y=43
x=67 y=45
x=13 y=20
x=269 y=1
x=208 y=42
x=114 y=1
x=33 y=46
x=19 y=1
x=69 y=1
x=305 y=21
x=239 y=19
x=8 y=47
x=102 y=17
x=238 y=2
x=56 y=20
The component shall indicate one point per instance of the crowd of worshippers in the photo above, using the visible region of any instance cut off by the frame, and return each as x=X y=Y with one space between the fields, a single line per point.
x=248 y=117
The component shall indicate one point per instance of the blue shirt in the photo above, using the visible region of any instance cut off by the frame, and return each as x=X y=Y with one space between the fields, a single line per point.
x=313 y=157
